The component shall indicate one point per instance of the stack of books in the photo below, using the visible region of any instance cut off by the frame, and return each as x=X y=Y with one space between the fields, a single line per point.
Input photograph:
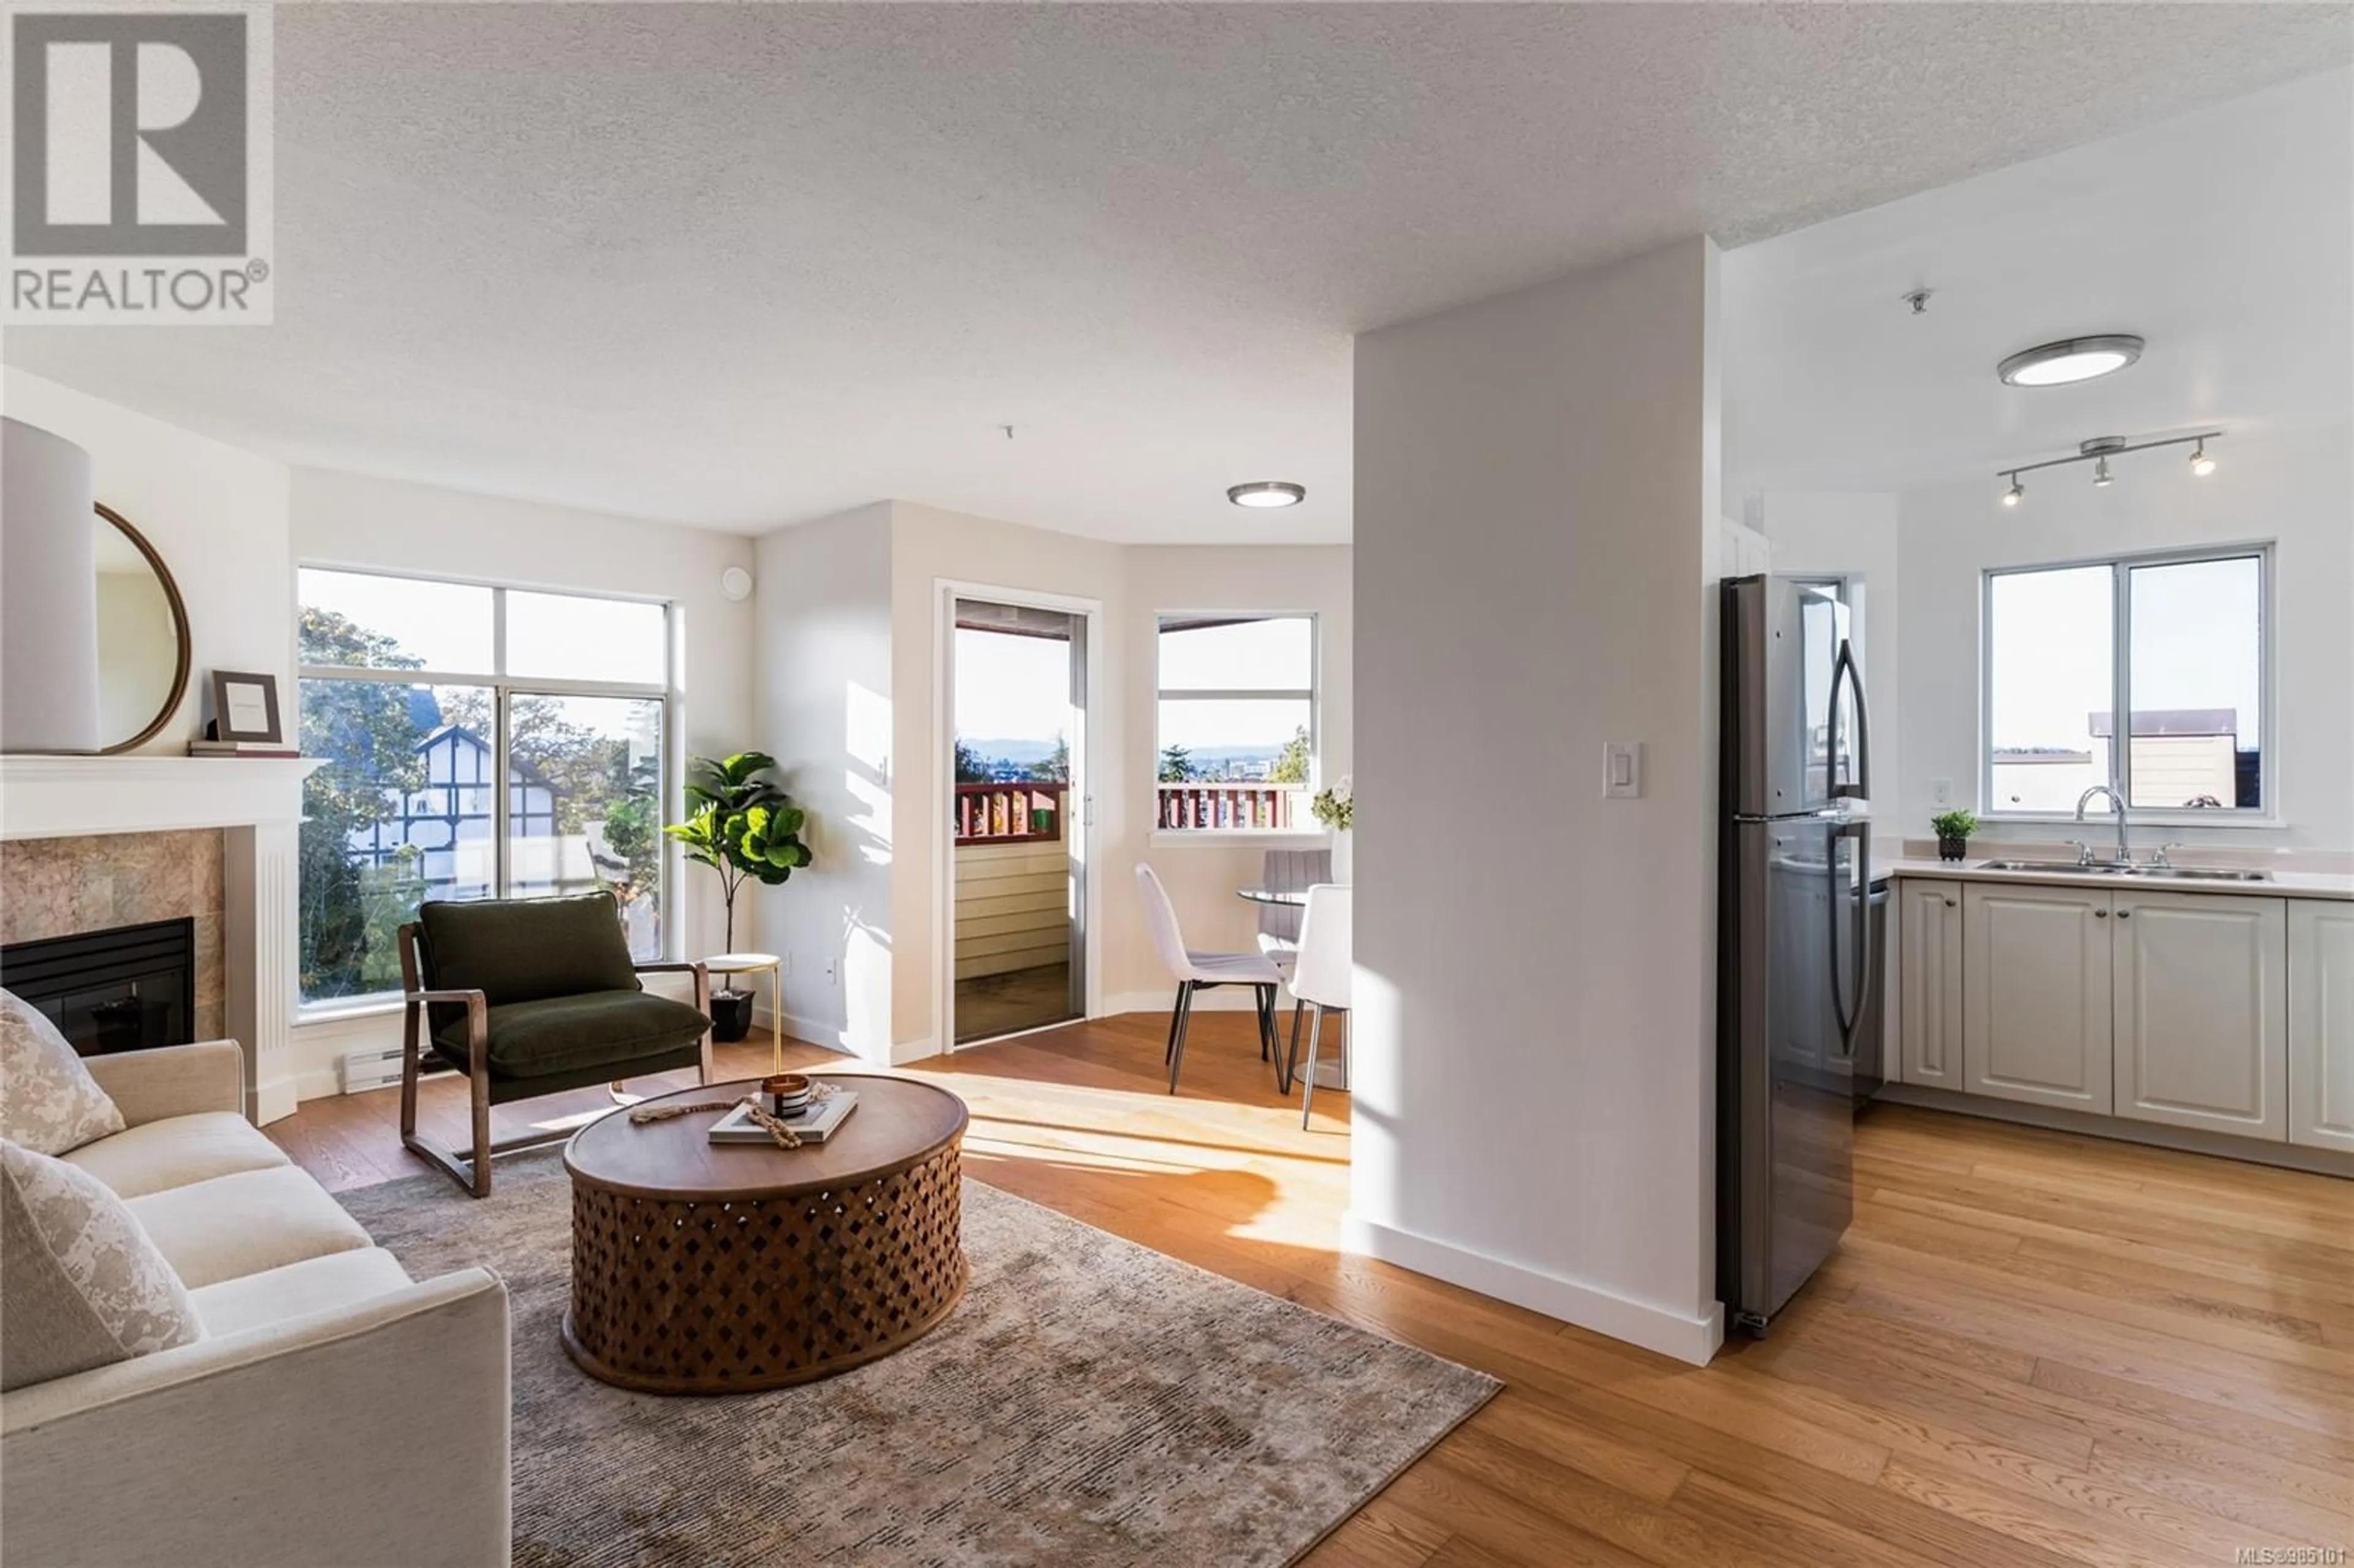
x=240 y=748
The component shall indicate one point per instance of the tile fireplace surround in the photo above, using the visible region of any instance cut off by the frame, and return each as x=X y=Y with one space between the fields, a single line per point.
x=96 y=841
x=66 y=888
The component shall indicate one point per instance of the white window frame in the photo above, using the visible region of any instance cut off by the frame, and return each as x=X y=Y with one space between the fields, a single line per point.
x=2120 y=568
x=1311 y=832
x=504 y=688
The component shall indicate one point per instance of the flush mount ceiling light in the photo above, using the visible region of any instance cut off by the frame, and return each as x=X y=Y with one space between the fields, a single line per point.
x=2070 y=359
x=1263 y=493
x=2101 y=449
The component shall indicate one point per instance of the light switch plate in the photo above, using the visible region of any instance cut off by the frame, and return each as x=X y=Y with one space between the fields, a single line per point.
x=1622 y=769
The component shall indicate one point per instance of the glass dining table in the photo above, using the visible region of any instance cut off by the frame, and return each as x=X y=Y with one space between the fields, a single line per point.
x=1332 y=1073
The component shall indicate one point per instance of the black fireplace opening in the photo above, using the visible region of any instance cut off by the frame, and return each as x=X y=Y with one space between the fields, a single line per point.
x=129 y=989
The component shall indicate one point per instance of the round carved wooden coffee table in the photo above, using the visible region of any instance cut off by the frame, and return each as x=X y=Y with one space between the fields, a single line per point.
x=722 y=1268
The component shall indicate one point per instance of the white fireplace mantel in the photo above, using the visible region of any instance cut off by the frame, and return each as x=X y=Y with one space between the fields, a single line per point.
x=257 y=803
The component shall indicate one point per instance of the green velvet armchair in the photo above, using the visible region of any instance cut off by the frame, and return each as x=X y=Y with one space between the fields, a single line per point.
x=530 y=997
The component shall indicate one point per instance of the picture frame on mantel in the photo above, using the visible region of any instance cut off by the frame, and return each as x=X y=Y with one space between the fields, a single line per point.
x=245 y=709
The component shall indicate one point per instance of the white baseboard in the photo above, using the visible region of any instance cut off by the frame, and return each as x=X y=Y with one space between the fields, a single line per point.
x=272 y=1101
x=1692 y=1340
x=826 y=1036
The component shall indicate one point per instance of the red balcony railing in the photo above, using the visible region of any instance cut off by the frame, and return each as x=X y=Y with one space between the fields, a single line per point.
x=1233 y=807
x=1026 y=812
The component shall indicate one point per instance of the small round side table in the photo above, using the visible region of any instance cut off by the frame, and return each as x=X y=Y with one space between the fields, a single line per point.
x=752 y=964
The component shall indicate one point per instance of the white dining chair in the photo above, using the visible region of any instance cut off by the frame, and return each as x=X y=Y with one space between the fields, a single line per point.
x=1287 y=870
x=1320 y=976
x=1205 y=971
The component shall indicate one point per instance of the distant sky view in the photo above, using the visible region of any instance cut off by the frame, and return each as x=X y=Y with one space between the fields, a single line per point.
x=557 y=636
x=2198 y=631
x=1013 y=688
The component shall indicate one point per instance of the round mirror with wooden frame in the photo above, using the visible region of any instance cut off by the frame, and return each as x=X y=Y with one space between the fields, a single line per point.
x=143 y=636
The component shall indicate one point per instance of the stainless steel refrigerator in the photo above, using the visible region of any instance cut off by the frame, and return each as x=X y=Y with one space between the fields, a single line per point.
x=1794 y=938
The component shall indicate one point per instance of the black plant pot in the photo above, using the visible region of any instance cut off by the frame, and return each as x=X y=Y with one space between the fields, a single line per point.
x=1953 y=849
x=731 y=1015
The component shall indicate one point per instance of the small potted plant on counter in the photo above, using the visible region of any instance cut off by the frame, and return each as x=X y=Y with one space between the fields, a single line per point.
x=743 y=826
x=1953 y=830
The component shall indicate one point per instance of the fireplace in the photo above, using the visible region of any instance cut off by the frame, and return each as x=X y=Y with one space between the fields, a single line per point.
x=128 y=989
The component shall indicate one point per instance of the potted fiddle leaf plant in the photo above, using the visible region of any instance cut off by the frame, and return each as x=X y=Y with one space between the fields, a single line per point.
x=1953 y=830
x=744 y=826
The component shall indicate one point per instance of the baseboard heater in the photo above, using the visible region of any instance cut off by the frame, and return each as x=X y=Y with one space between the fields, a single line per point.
x=380 y=1068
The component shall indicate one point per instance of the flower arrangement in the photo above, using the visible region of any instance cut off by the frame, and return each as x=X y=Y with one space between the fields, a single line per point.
x=1336 y=807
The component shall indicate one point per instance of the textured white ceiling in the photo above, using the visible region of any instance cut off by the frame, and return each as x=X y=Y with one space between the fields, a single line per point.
x=746 y=265
x=2225 y=237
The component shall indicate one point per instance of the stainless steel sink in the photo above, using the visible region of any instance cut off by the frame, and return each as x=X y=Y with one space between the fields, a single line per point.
x=2105 y=868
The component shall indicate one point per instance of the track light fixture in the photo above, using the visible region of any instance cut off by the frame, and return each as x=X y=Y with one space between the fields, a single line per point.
x=2101 y=449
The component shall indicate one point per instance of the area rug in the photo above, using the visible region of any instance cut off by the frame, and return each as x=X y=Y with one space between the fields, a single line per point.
x=1090 y=1403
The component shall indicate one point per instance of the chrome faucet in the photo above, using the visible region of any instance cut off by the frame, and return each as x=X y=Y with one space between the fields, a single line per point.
x=2124 y=854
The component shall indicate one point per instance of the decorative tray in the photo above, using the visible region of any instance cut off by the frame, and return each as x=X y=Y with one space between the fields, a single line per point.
x=814 y=1124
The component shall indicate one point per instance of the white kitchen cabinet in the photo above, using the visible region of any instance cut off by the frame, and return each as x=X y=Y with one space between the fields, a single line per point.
x=2201 y=1011
x=2037 y=995
x=1929 y=983
x=2321 y=1024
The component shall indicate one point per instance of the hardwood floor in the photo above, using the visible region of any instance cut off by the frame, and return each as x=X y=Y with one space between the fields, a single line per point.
x=2035 y=1349
x=990 y=1005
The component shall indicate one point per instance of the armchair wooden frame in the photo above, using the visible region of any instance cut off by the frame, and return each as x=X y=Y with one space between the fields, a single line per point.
x=473 y=1172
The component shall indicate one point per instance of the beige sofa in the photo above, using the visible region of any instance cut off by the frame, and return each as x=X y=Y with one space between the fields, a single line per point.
x=334 y=1412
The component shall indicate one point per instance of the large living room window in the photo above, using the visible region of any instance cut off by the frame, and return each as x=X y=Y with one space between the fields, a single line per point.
x=2179 y=643
x=480 y=742
x=1236 y=715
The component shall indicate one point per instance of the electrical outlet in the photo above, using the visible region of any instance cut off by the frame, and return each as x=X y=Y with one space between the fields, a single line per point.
x=1941 y=791
x=784 y=966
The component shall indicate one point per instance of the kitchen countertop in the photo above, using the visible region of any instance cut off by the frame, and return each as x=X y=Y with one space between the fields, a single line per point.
x=2280 y=884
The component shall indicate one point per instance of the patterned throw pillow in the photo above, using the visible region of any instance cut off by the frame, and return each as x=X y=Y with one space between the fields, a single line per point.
x=82 y=1285
x=48 y=1101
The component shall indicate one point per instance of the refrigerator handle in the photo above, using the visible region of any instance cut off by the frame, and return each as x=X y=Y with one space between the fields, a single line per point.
x=1843 y=668
x=1851 y=1016
x=1864 y=956
x=1862 y=742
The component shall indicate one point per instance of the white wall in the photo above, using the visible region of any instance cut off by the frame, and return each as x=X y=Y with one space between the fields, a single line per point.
x=2294 y=488
x=1202 y=872
x=928 y=545
x=864 y=742
x=351 y=519
x=218 y=515
x=822 y=681
x=1535 y=485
